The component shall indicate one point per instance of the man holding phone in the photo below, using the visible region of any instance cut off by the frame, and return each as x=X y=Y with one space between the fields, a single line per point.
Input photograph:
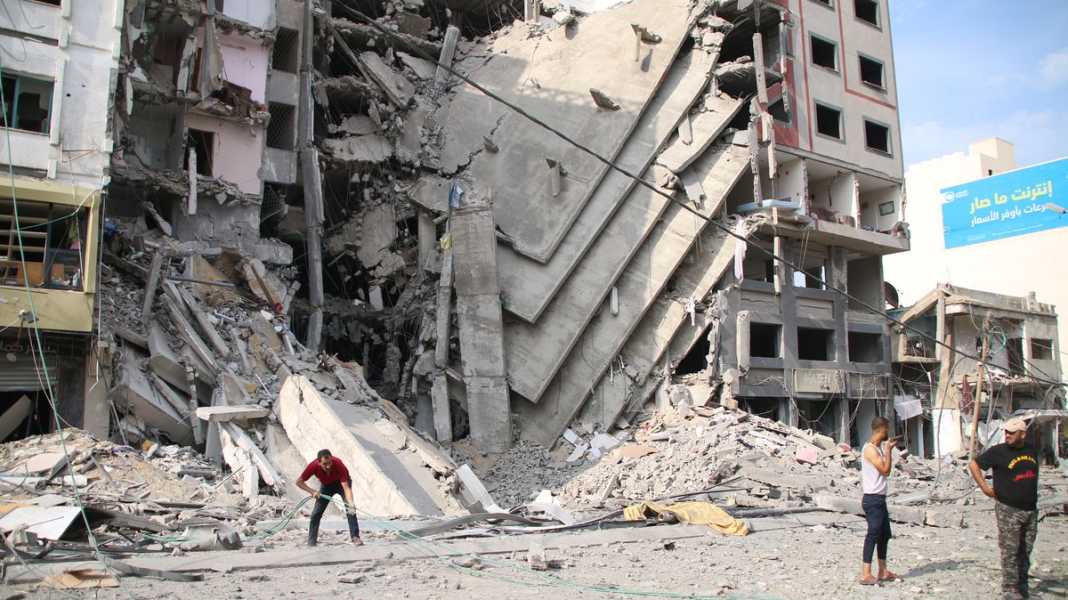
x=875 y=464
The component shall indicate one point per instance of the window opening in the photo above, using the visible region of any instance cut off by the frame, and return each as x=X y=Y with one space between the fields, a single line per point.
x=829 y=121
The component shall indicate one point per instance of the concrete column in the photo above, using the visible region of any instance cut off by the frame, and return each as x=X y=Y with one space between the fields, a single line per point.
x=788 y=412
x=480 y=319
x=428 y=241
x=96 y=415
x=841 y=420
x=448 y=51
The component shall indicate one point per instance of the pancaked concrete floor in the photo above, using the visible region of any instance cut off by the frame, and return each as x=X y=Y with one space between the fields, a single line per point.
x=794 y=557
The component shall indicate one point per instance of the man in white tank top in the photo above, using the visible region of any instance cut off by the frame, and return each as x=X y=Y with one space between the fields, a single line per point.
x=875 y=464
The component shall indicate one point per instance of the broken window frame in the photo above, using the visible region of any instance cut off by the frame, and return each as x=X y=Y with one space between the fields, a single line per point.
x=878 y=20
x=12 y=119
x=889 y=151
x=881 y=86
x=853 y=336
x=828 y=339
x=42 y=225
x=815 y=37
x=285 y=33
x=1045 y=345
x=817 y=104
x=776 y=334
x=289 y=113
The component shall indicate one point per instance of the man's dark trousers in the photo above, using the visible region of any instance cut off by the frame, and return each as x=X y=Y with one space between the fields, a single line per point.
x=334 y=489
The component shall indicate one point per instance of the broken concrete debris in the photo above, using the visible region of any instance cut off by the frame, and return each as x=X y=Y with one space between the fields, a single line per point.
x=482 y=291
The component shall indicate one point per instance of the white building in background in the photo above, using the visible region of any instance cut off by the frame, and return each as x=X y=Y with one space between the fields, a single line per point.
x=1015 y=246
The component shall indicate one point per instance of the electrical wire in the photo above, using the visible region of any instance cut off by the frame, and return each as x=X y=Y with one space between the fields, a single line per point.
x=639 y=181
x=37 y=346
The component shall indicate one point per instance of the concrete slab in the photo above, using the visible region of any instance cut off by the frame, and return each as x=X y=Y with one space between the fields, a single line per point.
x=550 y=77
x=386 y=481
x=231 y=413
x=639 y=285
x=538 y=351
x=528 y=285
x=134 y=390
x=707 y=125
x=706 y=264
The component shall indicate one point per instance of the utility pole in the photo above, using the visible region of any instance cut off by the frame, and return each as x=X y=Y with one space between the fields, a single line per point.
x=979 y=388
x=313 y=188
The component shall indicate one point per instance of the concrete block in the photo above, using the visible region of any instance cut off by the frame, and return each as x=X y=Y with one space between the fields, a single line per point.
x=134 y=390
x=478 y=499
x=807 y=454
x=221 y=414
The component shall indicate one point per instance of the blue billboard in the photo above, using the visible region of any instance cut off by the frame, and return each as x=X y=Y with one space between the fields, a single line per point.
x=1014 y=203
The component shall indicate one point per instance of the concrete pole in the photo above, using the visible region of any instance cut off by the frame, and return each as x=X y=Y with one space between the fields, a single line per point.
x=979 y=390
x=313 y=189
x=448 y=52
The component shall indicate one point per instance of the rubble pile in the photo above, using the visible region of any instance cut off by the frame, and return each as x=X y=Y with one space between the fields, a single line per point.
x=131 y=495
x=515 y=476
x=197 y=351
x=743 y=460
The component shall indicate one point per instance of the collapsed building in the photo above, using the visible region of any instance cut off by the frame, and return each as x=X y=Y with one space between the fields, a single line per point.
x=295 y=186
x=771 y=121
x=943 y=393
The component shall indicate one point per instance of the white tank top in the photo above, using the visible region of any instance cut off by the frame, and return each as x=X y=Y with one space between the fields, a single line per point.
x=872 y=480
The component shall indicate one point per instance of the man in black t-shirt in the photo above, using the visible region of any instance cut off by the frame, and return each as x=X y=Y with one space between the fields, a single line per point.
x=1015 y=494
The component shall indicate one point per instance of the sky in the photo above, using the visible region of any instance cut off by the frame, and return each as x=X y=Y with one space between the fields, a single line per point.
x=973 y=69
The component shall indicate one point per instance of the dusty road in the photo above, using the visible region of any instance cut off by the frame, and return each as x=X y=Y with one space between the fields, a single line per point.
x=805 y=556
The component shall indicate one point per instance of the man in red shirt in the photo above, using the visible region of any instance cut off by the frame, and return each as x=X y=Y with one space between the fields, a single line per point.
x=333 y=479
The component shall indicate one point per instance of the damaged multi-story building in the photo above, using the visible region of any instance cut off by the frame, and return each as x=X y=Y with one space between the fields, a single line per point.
x=58 y=65
x=773 y=121
x=194 y=133
x=520 y=217
x=944 y=391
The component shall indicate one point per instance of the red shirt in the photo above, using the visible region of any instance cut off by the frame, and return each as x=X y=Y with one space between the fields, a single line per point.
x=338 y=472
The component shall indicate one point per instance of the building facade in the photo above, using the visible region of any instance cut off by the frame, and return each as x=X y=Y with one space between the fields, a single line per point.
x=193 y=120
x=942 y=391
x=58 y=67
x=1018 y=264
x=830 y=188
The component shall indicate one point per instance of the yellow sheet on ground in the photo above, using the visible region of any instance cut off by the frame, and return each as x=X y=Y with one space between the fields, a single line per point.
x=695 y=513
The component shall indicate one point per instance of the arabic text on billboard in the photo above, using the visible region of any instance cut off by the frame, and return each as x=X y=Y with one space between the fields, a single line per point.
x=1006 y=205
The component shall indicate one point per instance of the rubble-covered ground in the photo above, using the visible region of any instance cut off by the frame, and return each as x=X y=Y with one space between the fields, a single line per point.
x=799 y=557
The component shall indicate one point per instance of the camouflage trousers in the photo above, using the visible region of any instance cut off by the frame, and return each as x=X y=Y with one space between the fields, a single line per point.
x=1016 y=538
